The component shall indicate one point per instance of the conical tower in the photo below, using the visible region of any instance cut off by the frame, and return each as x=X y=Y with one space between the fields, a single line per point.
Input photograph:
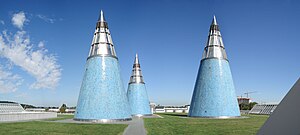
x=136 y=93
x=102 y=96
x=214 y=93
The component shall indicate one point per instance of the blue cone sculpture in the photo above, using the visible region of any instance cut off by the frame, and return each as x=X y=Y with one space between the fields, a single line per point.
x=102 y=96
x=136 y=93
x=214 y=93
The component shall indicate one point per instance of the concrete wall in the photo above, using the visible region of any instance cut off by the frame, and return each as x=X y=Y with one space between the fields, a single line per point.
x=179 y=111
x=160 y=111
x=169 y=110
x=6 y=117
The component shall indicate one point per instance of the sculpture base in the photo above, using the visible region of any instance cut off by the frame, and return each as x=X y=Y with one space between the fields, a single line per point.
x=141 y=115
x=103 y=120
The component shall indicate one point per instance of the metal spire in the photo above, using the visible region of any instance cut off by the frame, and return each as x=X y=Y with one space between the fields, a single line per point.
x=101 y=17
x=214 y=47
x=102 y=44
x=136 y=60
x=214 y=22
x=136 y=76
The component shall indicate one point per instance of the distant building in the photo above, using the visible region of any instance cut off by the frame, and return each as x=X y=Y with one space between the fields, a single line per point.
x=10 y=107
x=242 y=100
x=12 y=111
x=152 y=107
x=36 y=109
x=266 y=109
x=159 y=109
x=70 y=110
x=56 y=109
x=51 y=109
x=172 y=109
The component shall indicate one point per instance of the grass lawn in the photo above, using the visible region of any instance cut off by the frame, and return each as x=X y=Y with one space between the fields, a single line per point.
x=47 y=127
x=60 y=117
x=179 y=124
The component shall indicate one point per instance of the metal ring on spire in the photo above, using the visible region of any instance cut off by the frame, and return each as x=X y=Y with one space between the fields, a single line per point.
x=136 y=76
x=102 y=44
x=214 y=48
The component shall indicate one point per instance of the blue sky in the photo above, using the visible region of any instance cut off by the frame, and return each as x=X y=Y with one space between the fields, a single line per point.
x=260 y=37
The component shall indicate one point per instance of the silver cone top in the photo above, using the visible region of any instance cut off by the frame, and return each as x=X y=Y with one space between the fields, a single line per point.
x=102 y=44
x=214 y=22
x=214 y=46
x=136 y=76
x=136 y=60
x=101 y=17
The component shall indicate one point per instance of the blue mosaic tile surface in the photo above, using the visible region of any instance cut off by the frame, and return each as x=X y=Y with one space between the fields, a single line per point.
x=102 y=94
x=214 y=92
x=138 y=99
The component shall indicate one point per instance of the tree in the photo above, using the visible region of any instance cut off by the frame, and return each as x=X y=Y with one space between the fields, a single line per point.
x=63 y=108
x=244 y=106
x=251 y=105
x=27 y=106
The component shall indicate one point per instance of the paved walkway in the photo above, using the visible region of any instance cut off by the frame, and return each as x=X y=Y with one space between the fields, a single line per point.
x=136 y=127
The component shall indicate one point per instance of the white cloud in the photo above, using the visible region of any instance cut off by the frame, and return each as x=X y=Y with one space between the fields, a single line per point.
x=9 y=82
x=22 y=95
x=35 y=60
x=41 y=44
x=19 y=19
x=2 y=22
x=45 y=18
x=42 y=66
